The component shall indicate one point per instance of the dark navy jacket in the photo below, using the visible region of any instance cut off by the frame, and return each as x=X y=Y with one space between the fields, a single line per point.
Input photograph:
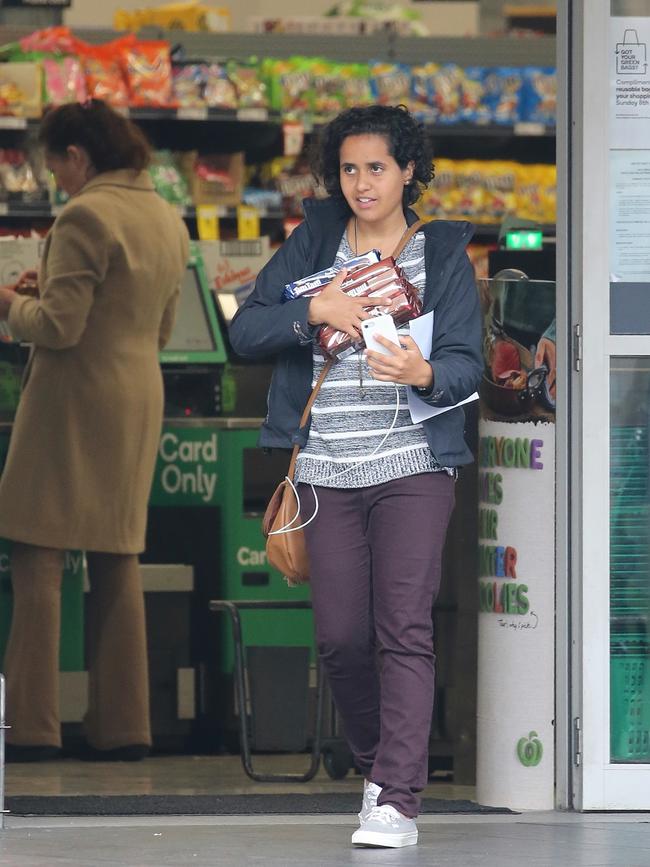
x=265 y=326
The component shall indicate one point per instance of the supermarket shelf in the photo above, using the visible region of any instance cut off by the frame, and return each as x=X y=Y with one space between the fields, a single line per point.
x=263 y=115
x=231 y=213
x=474 y=51
x=215 y=115
x=45 y=211
x=519 y=130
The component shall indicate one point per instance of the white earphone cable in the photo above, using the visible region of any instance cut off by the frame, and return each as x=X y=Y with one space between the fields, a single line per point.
x=288 y=528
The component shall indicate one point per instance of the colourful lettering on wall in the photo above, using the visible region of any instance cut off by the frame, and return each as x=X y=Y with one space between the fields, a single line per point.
x=503 y=598
x=512 y=452
x=496 y=561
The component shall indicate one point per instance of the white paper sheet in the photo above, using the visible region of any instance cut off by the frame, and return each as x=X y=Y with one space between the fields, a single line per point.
x=421 y=330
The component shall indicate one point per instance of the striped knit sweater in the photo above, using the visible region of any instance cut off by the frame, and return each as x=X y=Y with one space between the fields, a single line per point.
x=353 y=413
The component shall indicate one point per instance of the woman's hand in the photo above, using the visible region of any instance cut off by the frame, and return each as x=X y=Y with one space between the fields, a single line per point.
x=344 y=312
x=405 y=364
x=7 y=296
x=27 y=284
x=546 y=355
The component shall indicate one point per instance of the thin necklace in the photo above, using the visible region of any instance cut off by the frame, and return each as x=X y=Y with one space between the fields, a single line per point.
x=356 y=242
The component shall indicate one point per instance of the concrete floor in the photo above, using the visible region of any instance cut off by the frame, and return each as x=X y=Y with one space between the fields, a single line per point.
x=526 y=840
x=533 y=840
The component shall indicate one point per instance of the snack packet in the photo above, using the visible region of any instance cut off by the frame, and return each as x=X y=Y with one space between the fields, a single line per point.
x=503 y=87
x=312 y=285
x=539 y=95
x=219 y=91
x=149 y=73
x=103 y=68
x=385 y=280
x=63 y=80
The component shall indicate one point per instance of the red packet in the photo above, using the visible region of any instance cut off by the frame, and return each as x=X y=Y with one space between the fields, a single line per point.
x=381 y=280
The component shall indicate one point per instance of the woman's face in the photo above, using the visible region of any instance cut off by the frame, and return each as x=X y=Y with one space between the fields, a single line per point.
x=371 y=180
x=71 y=170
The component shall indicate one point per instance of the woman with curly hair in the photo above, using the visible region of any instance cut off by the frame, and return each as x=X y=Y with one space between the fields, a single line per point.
x=381 y=486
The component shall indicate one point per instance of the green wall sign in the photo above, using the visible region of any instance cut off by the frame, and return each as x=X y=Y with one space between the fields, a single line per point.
x=186 y=471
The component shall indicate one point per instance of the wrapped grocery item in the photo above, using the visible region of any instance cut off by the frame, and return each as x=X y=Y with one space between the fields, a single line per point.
x=472 y=92
x=189 y=15
x=290 y=86
x=63 y=80
x=499 y=180
x=251 y=90
x=423 y=91
x=391 y=83
x=188 y=84
x=312 y=285
x=104 y=70
x=539 y=95
x=52 y=40
x=356 y=85
x=327 y=81
x=168 y=180
x=219 y=91
x=383 y=280
x=536 y=193
x=18 y=180
x=149 y=73
x=447 y=93
x=503 y=90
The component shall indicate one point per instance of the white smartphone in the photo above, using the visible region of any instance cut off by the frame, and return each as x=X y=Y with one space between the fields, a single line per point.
x=379 y=325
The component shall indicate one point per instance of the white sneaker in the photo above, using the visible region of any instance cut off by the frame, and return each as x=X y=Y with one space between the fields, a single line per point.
x=371 y=792
x=386 y=827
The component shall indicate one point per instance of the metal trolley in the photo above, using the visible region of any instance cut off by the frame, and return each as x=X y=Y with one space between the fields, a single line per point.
x=336 y=755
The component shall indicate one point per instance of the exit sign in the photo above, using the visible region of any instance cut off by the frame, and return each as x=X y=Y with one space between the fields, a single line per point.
x=524 y=240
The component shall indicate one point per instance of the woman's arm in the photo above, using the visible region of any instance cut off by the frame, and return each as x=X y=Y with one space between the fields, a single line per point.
x=264 y=325
x=77 y=262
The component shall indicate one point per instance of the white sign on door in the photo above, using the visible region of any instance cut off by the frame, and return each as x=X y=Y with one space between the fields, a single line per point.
x=629 y=83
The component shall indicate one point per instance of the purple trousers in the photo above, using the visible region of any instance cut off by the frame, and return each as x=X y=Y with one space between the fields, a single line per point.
x=375 y=572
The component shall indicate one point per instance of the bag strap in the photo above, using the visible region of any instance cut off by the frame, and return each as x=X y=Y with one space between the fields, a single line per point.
x=307 y=410
x=406 y=237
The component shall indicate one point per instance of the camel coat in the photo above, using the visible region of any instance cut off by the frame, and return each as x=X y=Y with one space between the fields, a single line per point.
x=84 y=442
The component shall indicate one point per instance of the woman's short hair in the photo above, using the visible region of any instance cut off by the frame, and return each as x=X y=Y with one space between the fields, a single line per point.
x=406 y=138
x=110 y=140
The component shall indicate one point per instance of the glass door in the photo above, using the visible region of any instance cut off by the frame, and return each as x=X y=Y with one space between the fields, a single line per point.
x=610 y=399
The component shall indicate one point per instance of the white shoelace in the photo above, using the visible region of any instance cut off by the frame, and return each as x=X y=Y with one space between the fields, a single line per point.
x=386 y=815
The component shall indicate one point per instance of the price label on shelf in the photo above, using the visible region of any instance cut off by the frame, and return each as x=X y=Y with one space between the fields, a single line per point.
x=529 y=128
x=207 y=222
x=13 y=123
x=253 y=114
x=196 y=113
x=248 y=223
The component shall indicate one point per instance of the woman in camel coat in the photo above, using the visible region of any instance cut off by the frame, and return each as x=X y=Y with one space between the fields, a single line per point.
x=84 y=443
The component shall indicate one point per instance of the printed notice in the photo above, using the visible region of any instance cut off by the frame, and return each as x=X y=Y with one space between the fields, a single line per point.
x=630 y=216
x=629 y=83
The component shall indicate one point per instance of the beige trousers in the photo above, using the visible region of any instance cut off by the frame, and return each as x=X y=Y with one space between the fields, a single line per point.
x=116 y=647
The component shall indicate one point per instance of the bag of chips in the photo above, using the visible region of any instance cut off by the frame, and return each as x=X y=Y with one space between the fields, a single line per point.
x=149 y=73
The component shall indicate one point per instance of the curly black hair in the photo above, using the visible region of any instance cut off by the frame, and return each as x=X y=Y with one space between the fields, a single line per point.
x=406 y=138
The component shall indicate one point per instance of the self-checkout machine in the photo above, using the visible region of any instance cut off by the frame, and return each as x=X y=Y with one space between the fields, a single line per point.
x=18 y=255
x=210 y=487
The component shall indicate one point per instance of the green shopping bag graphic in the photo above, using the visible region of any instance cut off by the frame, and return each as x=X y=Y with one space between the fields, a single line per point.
x=631 y=55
